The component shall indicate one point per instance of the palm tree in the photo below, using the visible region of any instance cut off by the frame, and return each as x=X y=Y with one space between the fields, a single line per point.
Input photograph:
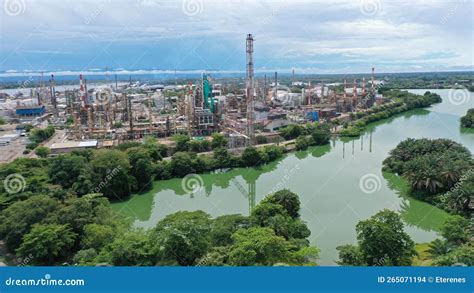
x=438 y=247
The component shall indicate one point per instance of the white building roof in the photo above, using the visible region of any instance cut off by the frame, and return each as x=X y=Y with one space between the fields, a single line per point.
x=74 y=144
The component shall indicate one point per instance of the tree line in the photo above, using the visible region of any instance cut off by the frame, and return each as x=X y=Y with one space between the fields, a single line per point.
x=86 y=231
x=468 y=119
x=440 y=171
x=402 y=101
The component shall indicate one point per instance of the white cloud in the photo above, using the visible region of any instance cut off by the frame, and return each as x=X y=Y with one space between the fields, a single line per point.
x=435 y=32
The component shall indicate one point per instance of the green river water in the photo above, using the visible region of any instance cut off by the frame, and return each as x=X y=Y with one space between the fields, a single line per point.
x=338 y=184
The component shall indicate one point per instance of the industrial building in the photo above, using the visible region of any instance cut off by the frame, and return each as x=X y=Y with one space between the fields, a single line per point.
x=106 y=115
x=30 y=111
x=67 y=147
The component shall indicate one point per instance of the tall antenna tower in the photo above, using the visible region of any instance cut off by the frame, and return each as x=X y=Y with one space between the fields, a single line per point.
x=354 y=89
x=250 y=90
x=344 y=89
x=363 y=86
x=82 y=91
x=53 y=97
x=373 y=81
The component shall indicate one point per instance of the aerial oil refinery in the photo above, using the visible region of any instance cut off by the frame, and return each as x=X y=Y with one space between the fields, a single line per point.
x=293 y=135
x=114 y=112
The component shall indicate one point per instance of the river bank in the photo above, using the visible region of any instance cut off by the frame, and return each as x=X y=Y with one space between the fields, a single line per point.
x=327 y=178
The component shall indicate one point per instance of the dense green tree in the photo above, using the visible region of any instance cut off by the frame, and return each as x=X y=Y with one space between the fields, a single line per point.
x=85 y=257
x=280 y=211
x=287 y=199
x=97 y=236
x=46 y=242
x=457 y=200
x=38 y=135
x=202 y=164
x=291 y=131
x=456 y=229
x=65 y=169
x=153 y=148
x=141 y=167
x=273 y=152
x=462 y=255
x=42 y=151
x=84 y=183
x=301 y=143
x=430 y=165
x=163 y=150
x=382 y=240
x=110 y=174
x=127 y=145
x=439 y=247
x=206 y=145
x=251 y=157
x=85 y=153
x=132 y=248
x=17 y=219
x=468 y=119
x=183 y=237
x=218 y=141
x=275 y=216
x=181 y=164
x=222 y=158
x=182 y=142
x=162 y=170
x=223 y=227
x=258 y=246
x=217 y=256
x=350 y=255
x=195 y=146
x=79 y=212
x=321 y=134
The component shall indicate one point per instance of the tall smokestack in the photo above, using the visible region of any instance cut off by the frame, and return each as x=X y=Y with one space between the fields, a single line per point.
x=82 y=91
x=250 y=89
x=354 y=89
x=276 y=86
x=345 y=83
x=363 y=86
x=53 y=96
x=265 y=88
x=373 y=80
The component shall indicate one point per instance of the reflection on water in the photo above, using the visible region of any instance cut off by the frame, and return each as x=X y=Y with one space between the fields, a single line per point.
x=326 y=178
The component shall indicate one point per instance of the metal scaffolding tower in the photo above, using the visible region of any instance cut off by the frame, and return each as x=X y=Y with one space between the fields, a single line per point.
x=373 y=81
x=250 y=90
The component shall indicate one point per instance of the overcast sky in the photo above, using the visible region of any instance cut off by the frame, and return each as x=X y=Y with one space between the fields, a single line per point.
x=310 y=36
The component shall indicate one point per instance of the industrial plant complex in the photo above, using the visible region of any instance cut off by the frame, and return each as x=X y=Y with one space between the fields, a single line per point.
x=103 y=115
